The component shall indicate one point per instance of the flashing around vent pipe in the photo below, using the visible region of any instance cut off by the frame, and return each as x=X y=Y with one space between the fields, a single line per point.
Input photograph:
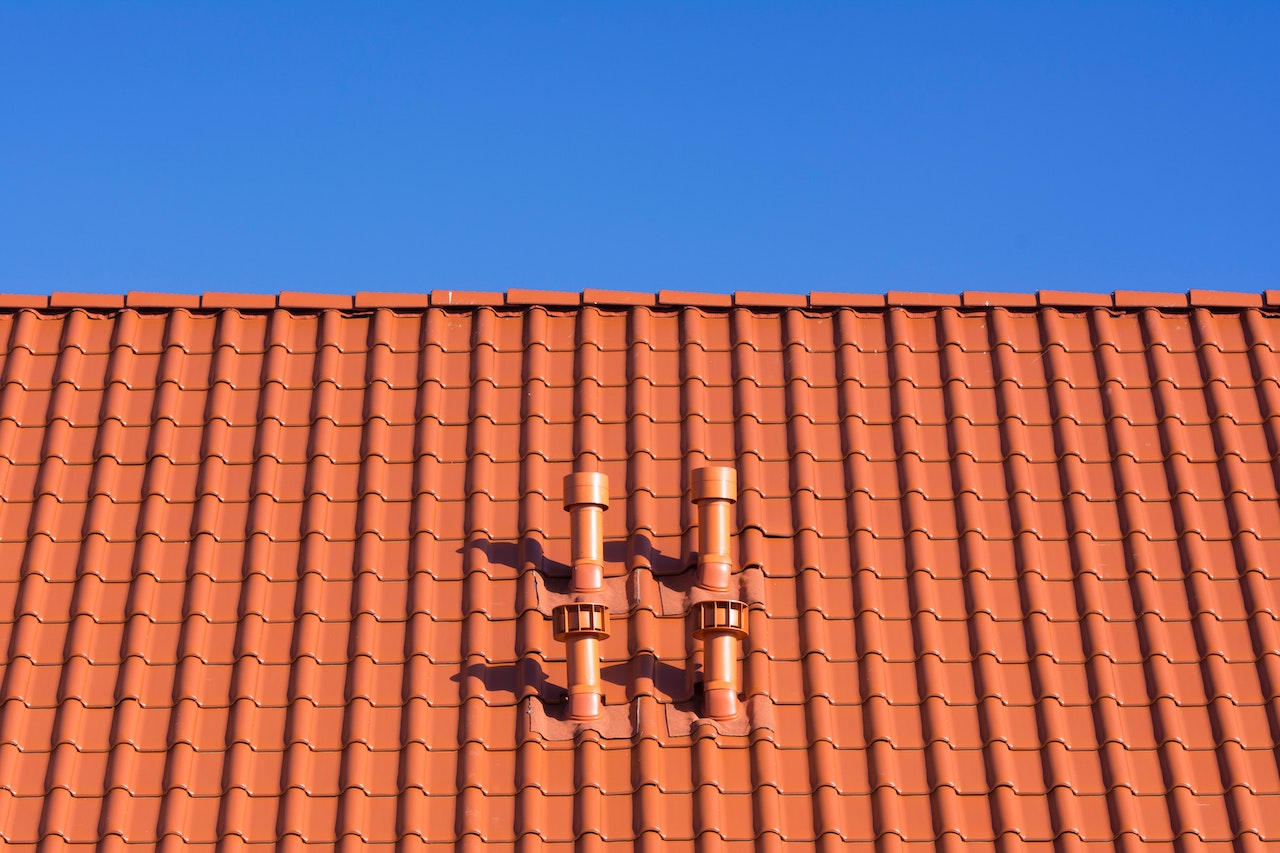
x=719 y=623
x=715 y=489
x=582 y=625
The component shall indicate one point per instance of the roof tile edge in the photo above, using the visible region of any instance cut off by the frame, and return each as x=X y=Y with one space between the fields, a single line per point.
x=1124 y=300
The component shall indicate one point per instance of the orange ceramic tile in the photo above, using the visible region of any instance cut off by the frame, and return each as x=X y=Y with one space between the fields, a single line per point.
x=1072 y=299
x=617 y=297
x=913 y=299
x=823 y=299
x=88 y=301
x=396 y=299
x=1224 y=299
x=1149 y=299
x=751 y=299
x=464 y=298
x=303 y=301
x=986 y=299
x=560 y=298
x=243 y=301
x=286 y=578
x=23 y=300
x=140 y=299
x=702 y=300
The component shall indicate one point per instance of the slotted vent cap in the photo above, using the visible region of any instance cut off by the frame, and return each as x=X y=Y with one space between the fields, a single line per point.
x=580 y=618
x=722 y=616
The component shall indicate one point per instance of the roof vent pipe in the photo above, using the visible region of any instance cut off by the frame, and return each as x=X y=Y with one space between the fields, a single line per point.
x=720 y=625
x=581 y=626
x=586 y=497
x=715 y=488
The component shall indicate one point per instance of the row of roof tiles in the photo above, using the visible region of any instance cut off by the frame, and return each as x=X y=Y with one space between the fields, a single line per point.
x=652 y=820
x=1196 y=613
x=382 y=676
x=332 y=711
x=141 y=772
x=307 y=301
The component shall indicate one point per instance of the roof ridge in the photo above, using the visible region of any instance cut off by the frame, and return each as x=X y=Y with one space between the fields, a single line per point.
x=521 y=297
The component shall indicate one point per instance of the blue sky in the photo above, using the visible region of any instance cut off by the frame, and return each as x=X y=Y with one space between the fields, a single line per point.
x=701 y=146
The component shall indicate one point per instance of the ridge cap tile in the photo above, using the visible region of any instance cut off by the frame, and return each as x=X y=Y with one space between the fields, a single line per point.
x=694 y=299
x=997 y=299
x=840 y=299
x=1271 y=297
x=921 y=299
x=764 y=299
x=1223 y=299
x=391 y=299
x=466 y=298
x=595 y=296
x=87 y=301
x=218 y=299
x=1073 y=299
x=1149 y=299
x=23 y=300
x=558 y=298
x=305 y=300
x=160 y=299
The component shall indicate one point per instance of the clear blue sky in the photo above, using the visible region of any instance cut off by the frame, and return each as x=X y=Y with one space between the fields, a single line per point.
x=702 y=146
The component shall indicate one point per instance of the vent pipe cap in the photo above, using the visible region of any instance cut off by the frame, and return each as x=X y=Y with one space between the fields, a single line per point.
x=586 y=489
x=721 y=617
x=715 y=482
x=580 y=619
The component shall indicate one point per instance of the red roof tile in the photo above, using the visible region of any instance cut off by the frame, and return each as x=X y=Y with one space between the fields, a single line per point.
x=285 y=578
x=617 y=297
x=302 y=301
x=163 y=301
x=543 y=297
x=465 y=298
x=912 y=299
x=1147 y=299
x=23 y=300
x=370 y=299
x=1224 y=299
x=821 y=299
x=699 y=300
x=1074 y=299
x=988 y=299
x=751 y=299
x=241 y=301
x=90 y=301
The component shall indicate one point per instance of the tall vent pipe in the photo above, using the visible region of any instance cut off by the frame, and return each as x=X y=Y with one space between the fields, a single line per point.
x=721 y=622
x=583 y=624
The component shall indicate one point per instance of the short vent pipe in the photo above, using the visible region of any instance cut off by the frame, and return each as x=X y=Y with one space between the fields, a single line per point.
x=720 y=625
x=583 y=624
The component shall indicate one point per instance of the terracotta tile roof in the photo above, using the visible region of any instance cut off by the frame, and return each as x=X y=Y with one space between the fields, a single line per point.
x=274 y=572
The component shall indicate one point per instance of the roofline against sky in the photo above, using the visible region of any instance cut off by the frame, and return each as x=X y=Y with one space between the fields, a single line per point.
x=307 y=301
